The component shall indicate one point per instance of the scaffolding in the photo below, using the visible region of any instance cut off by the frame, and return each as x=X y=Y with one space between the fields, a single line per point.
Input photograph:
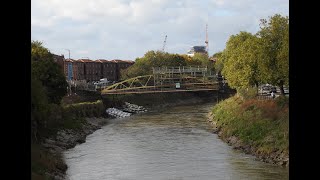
x=182 y=77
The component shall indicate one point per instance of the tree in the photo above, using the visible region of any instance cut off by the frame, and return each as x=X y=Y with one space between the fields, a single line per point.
x=274 y=35
x=49 y=73
x=240 y=60
x=217 y=55
x=39 y=107
x=201 y=59
x=218 y=65
x=139 y=68
x=187 y=59
x=143 y=65
x=38 y=52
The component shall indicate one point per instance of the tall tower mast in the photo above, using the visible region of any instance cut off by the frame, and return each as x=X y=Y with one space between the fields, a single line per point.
x=164 y=43
x=207 y=40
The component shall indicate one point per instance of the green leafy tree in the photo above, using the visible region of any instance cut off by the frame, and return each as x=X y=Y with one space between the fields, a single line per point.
x=275 y=39
x=143 y=65
x=48 y=72
x=217 y=55
x=39 y=52
x=160 y=59
x=201 y=59
x=186 y=58
x=218 y=66
x=39 y=107
x=241 y=67
x=139 y=68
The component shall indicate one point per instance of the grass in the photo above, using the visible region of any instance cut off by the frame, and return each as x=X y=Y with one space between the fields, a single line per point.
x=260 y=124
x=85 y=109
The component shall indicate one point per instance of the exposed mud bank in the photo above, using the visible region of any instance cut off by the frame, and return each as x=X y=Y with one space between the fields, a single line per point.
x=275 y=157
x=66 y=139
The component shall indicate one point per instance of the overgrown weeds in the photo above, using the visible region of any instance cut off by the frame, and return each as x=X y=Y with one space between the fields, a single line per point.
x=261 y=124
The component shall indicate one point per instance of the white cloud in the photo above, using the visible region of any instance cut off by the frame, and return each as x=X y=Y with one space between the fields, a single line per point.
x=128 y=28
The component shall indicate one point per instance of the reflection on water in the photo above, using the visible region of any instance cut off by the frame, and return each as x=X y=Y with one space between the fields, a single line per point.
x=176 y=143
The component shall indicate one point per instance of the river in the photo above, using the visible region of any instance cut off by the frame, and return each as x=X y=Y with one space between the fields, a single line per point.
x=174 y=143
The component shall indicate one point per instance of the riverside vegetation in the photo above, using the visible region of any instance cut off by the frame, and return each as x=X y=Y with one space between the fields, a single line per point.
x=257 y=127
x=68 y=126
x=50 y=118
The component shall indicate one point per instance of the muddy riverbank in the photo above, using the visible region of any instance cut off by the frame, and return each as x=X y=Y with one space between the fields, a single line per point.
x=251 y=132
x=68 y=138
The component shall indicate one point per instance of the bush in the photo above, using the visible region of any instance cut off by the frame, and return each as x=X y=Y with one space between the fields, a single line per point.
x=282 y=101
x=247 y=93
x=86 y=109
x=261 y=124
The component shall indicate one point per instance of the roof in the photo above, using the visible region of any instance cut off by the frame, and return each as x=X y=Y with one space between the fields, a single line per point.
x=122 y=61
x=100 y=61
x=69 y=60
x=58 y=56
x=85 y=60
x=105 y=61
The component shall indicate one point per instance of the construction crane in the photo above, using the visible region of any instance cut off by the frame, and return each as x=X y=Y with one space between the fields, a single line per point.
x=164 y=43
x=207 y=41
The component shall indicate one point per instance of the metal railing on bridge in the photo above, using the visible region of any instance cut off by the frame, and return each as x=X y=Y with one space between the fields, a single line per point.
x=146 y=84
x=179 y=69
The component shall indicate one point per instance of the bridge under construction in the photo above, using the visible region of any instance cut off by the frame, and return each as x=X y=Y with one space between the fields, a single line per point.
x=166 y=80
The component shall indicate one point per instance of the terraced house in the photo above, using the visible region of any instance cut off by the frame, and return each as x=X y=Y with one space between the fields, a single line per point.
x=92 y=70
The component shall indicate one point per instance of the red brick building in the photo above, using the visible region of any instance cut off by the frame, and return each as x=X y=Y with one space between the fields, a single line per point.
x=91 y=70
x=108 y=69
x=121 y=64
x=59 y=60
x=74 y=68
x=85 y=69
x=80 y=69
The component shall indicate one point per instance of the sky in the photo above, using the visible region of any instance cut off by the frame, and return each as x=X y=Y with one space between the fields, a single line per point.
x=127 y=29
